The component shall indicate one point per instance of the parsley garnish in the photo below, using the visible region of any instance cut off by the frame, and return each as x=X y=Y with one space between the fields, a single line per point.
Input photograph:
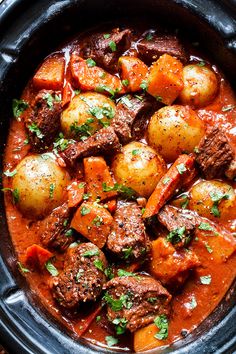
x=109 y=273
x=69 y=233
x=84 y=130
x=112 y=45
x=166 y=180
x=124 y=273
x=201 y=63
x=22 y=268
x=208 y=247
x=125 y=100
x=90 y=62
x=176 y=236
x=120 y=324
x=159 y=98
x=100 y=112
x=97 y=221
x=152 y=299
x=16 y=196
x=98 y=264
x=126 y=192
x=162 y=323
x=50 y=99
x=136 y=152
x=34 y=129
x=91 y=253
x=228 y=108
x=79 y=274
x=61 y=143
x=98 y=318
x=217 y=197
x=193 y=303
x=125 y=82
x=127 y=252
x=144 y=85
x=9 y=173
x=181 y=168
x=205 y=226
x=111 y=340
x=107 y=35
x=149 y=37
x=84 y=210
x=51 y=268
x=118 y=304
x=205 y=279
x=51 y=190
x=18 y=107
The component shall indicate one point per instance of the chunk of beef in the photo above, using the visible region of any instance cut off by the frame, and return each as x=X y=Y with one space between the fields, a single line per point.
x=174 y=219
x=171 y=266
x=141 y=299
x=128 y=239
x=104 y=141
x=81 y=280
x=215 y=154
x=131 y=120
x=43 y=122
x=54 y=229
x=150 y=50
x=106 y=51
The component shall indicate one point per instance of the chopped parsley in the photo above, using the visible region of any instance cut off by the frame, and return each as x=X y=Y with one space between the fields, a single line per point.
x=149 y=37
x=152 y=299
x=144 y=85
x=83 y=130
x=120 y=325
x=166 y=180
x=34 y=129
x=16 y=195
x=110 y=340
x=136 y=152
x=98 y=318
x=185 y=201
x=91 y=253
x=228 y=108
x=196 y=150
x=84 y=210
x=208 y=247
x=50 y=99
x=162 y=323
x=22 y=268
x=51 y=190
x=205 y=279
x=97 y=221
x=176 y=235
x=79 y=274
x=201 y=63
x=9 y=173
x=109 y=273
x=118 y=304
x=126 y=192
x=192 y=304
x=125 y=82
x=104 y=88
x=77 y=92
x=81 y=185
x=125 y=100
x=18 y=107
x=90 y=62
x=61 y=143
x=101 y=112
x=205 y=226
x=107 y=35
x=69 y=233
x=127 y=252
x=124 y=273
x=158 y=98
x=217 y=197
x=98 y=264
x=51 y=268
x=181 y=168
x=112 y=46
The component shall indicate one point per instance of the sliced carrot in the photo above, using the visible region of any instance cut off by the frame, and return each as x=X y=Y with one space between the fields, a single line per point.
x=87 y=321
x=93 y=78
x=67 y=93
x=133 y=72
x=37 y=256
x=165 y=80
x=96 y=173
x=75 y=193
x=93 y=222
x=111 y=205
x=50 y=75
x=174 y=178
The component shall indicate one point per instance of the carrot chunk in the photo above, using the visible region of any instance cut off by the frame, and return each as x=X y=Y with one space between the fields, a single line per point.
x=96 y=173
x=93 y=222
x=165 y=80
x=111 y=205
x=133 y=72
x=174 y=178
x=37 y=256
x=75 y=193
x=93 y=78
x=50 y=75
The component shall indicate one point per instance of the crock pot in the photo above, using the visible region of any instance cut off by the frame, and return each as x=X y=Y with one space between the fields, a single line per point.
x=29 y=31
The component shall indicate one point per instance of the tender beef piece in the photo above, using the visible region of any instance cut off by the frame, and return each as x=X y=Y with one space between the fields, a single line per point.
x=130 y=110
x=80 y=280
x=44 y=119
x=104 y=141
x=175 y=218
x=128 y=239
x=98 y=48
x=215 y=154
x=54 y=227
x=142 y=299
x=150 y=50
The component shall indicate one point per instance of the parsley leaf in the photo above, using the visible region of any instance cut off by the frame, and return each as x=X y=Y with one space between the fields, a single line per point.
x=51 y=190
x=79 y=275
x=34 y=129
x=9 y=173
x=112 y=46
x=51 y=268
x=22 y=268
x=16 y=195
x=205 y=279
x=110 y=340
x=91 y=253
x=181 y=168
x=98 y=264
x=83 y=130
x=107 y=35
x=152 y=299
x=125 y=100
x=144 y=85
x=228 y=108
x=120 y=324
x=109 y=273
x=18 y=107
x=136 y=152
x=125 y=82
x=208 y=247
x=217 y=197
x=127 y=252
x=162 y=323
x=176 y=235
x=126 y=192
x=118 y=304
x=90 y=62
x=50 y=99
x=201 y=63
x=205 y=226
x=166 y=180
x=124 y=273
x=84 y=210
x=149 y=37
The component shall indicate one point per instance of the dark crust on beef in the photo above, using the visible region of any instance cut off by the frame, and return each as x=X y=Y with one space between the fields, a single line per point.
x=47 y=120
x=103 y=141
x=215 y=154
x=69 y=288
x=128 y=231
x=53 y=229
x=138 y=289
x=150 y=50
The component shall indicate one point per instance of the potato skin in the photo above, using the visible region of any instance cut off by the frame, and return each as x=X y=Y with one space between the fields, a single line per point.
x=201 y=200
x=200 y=86
x=139 y=167
x=77 y=113
x=173 y=130
x=41 y=185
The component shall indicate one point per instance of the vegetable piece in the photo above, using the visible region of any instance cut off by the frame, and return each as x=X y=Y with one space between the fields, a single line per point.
x=94 y=78
x=50 y=75
x=18 y=107
x=167 y=185
x=162 y=323
x=133 y=72
x=51 y=268
x=145 y=339
x=96 y=173
x=67 y=93
x=93 y=222
x=111 y=205
x=165 y=80
x=75 y=193
x=37 y=256
x=87 y=321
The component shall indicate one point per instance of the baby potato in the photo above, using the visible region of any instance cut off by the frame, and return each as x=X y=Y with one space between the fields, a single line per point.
x=214 y=200
x=40 y=183
x=200 y=86
x=173 y=130
x=86 y=113
x=139 y=167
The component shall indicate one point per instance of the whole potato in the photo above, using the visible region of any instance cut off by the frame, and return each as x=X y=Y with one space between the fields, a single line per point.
x=40 y=183
x=173 y=130
x=139 y=167
x=214 y=200
x=200 y=86
x=86 y=113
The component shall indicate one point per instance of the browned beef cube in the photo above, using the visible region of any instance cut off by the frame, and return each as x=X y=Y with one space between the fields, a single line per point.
x=43 y=122
x=151 y=50
x=214 y=154
x=175 y=219
x=128 y=239
x=54 y=229
x=104 y=141
x=140 y=299
x=130 y=121
x=82 y=278
x=106 y=48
